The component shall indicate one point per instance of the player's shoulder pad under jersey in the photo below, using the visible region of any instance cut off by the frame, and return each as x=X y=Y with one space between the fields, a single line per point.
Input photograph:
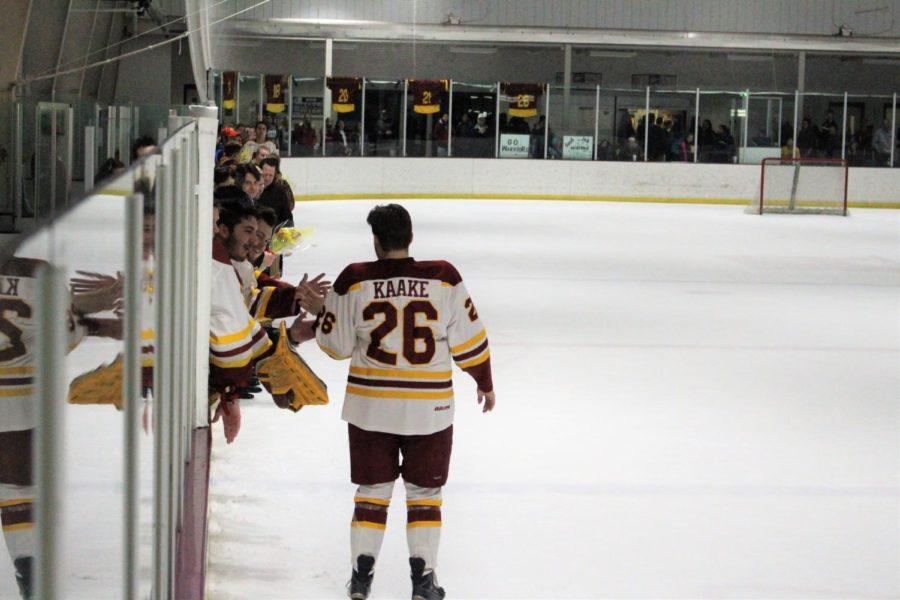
x=386 y=269
x=21 y=267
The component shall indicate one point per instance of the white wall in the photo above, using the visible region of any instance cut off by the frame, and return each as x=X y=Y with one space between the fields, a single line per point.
x=377 y=177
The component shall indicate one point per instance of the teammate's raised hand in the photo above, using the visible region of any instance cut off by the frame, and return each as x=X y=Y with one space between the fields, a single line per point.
x=489 y=400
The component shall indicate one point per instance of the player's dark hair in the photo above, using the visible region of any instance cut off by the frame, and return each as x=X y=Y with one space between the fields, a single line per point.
x=221 y=174
x=271 y=161
x=232 y=212
x=392 y=226
x=242 y=171
x=264 y=213
x=227 y=193
x=232 y=149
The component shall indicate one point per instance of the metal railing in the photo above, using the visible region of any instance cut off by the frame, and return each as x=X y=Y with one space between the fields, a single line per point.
x=143 y=229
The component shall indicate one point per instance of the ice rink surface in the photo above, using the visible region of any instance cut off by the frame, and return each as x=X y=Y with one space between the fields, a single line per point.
x=692 y=402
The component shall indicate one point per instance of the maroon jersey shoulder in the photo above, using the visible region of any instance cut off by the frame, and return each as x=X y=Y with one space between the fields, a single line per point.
x=396 y=267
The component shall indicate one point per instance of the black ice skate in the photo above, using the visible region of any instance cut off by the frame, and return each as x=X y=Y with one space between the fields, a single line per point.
x=361 y=581
x=424 y=585
x=23 y=576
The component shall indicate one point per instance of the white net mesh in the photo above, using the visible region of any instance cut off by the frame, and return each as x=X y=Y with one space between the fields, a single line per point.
x=802 y=185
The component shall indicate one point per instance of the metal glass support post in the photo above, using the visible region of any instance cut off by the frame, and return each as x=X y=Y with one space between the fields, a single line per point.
x=168 y=299
x=497 y=123
x=162 y=559
x=51 y=342
x=177 y=310
x=131 y=388
x=405 y=113
x=111 y=132
x=37 y=164
x=261 y=95
x=89 y=167
x=52 y=166
x=745 y=126
x=450 y=118
x=236 y=113
x=794 y=152
x=290 y=113
x=124 y=129
x=844 y=130
x=893 y=127
x=70 y=144
x=596 y=120
x=696 y=125
x=646 y=123
x=362 y=120
x=18 y=170
x=546 y=120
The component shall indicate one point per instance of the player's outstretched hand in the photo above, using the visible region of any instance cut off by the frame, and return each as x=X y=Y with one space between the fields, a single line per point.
x=301 y=329
x=489 y=400
x=309 y=299
x=317 y=284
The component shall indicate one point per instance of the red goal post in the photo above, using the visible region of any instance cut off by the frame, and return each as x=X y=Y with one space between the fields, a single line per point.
x=803 y=186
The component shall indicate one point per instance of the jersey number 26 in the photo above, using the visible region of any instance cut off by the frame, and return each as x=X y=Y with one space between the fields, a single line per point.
x=412 y=332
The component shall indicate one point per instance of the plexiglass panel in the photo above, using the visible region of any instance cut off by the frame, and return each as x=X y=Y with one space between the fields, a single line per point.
x=572 y=114
x=384 y=118
x=469 y=101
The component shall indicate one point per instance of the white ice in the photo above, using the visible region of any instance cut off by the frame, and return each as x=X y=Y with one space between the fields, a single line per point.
x=692 y=402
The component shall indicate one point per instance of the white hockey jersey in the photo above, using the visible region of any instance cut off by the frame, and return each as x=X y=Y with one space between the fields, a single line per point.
x=18 y=291
x=236 y=340
x=400 y=321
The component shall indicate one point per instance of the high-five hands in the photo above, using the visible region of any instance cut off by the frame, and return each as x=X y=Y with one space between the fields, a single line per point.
x=311 y=293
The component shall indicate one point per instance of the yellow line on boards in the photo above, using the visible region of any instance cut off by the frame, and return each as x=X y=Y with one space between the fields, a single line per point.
x=557 y=197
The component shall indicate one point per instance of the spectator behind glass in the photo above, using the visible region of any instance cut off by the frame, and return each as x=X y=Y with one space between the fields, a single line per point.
x=828 y=135
x=630 y=150
x=686 y=148
x=304 y=137
x=439 y=134
x=250 y=180
x=605 y=151
x=143 y=146
x=110 y=168
x=342 y=142
x=232 y=151
x=268 y=167
x=806 y=139
x=881 y=144
x=261 y=133
x=706 y=139
x=788 y=150
x=276 y=197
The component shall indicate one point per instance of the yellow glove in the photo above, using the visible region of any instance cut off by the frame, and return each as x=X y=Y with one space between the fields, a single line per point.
x=103 y=385
x=288 y=378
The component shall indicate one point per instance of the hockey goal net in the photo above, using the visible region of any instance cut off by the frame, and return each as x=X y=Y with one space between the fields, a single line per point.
x=802 y=185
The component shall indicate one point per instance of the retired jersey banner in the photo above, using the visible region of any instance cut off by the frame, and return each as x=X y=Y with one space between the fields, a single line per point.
x=344 y=91
x=229 y=84
x=523 y=98
x=427 y=94
x=276 y=86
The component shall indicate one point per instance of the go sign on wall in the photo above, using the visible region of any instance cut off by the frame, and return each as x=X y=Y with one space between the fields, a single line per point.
x=514 y=145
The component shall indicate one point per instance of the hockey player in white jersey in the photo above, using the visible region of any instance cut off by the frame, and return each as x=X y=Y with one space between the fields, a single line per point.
x=400 y=321
x=18 y=413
